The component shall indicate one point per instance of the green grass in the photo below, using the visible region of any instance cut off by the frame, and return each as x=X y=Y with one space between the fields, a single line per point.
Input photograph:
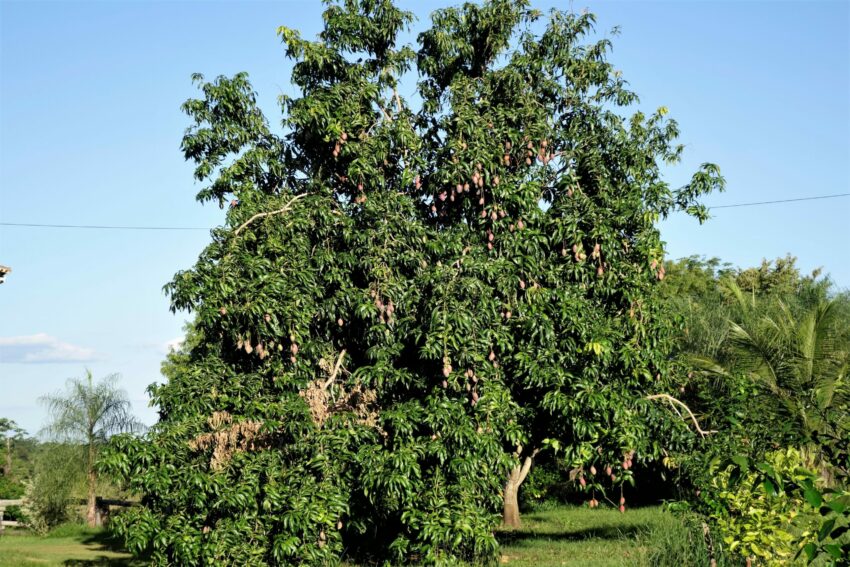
x=68 y=545
x=603 y=537
x=565 y=535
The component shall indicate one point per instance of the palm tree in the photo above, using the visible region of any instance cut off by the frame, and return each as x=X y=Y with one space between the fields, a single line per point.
x=87 y=414
x=799 y=353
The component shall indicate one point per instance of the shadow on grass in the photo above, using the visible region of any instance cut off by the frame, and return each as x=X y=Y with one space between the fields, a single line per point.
x=104 y=542
x=102 y=561
x=608 y=532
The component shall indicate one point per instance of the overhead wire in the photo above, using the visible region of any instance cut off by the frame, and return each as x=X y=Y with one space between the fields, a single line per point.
x=780 y=201
x=129 y=227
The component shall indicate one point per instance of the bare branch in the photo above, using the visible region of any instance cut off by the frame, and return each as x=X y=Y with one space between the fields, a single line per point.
x=397 y=100
x=673 y=400
x=286 y=208
x=330 y=380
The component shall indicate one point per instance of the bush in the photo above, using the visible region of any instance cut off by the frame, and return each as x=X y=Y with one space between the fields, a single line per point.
x=829 y=537
x=53 y=484
x=755 y=515
x=44 y=509
x=12 y=490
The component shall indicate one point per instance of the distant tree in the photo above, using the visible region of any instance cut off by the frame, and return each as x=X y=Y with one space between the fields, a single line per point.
x=778 y=277
x=87 y=414
x=10 y=430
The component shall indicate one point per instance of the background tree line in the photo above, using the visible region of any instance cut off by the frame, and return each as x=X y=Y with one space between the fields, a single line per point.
x=56 y=468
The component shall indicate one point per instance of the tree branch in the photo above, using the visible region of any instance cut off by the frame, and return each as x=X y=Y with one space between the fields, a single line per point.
x=526 y=466
x=286 y=208
x=397 y=100
x=387 y=117
x=335 y=372
x=673 y=400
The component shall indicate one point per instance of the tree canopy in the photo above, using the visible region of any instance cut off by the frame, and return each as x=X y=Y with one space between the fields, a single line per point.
x=411 y=298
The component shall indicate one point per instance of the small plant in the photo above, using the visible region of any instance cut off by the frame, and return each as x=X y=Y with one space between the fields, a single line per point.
x=683 y=538
x=41 y=511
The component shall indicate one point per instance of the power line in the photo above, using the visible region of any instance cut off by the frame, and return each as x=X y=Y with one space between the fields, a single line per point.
x=108 y=227
x=781 y=201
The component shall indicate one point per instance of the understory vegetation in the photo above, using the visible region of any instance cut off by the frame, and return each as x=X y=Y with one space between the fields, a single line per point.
x=767 y=352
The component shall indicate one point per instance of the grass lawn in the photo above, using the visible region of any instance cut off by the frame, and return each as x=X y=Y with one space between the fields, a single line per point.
x=68 y=545
x=566 y=535
x=577 y=536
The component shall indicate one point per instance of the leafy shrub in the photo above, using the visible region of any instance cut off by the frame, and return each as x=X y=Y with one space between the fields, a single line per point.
x=44 y=509
x=830 y=541
x=11 y=489
x=57 y=476
x=757 y=517
x=830 y=538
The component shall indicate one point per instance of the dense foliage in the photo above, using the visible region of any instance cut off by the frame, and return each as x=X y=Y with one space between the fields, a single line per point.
x=15 y=456
x=407 y=303
x=769 y=351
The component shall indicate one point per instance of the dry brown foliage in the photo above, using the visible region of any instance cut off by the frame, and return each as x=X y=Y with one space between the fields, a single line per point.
x=228 y=438
x=325 y=397
x=323 y=403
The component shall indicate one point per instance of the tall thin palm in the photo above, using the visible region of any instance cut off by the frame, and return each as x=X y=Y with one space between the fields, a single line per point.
x=87 y=414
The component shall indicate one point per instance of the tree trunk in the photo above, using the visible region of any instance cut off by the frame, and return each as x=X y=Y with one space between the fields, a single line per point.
x=510 y=513
x=510 y=516
x=91 y=504
x=7 y=470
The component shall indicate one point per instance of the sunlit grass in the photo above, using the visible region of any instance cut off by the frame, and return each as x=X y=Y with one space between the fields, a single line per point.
x=565 y=535
x=576 y=536
x=68 y=545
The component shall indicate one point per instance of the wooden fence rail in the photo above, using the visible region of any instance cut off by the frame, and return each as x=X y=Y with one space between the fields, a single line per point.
x=101 y=506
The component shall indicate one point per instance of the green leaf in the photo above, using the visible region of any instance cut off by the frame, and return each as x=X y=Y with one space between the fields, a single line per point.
x=825 y=528
x=767 y=469
x=810 y=549
x=813 y=497
x=834 y=550
x=769 y=487
x=838 y=505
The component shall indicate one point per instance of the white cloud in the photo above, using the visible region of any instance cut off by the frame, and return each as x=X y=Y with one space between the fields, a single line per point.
x=41 y=348
x=174 y=344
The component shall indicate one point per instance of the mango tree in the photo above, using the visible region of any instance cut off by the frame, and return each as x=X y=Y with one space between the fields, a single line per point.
x=409 y=298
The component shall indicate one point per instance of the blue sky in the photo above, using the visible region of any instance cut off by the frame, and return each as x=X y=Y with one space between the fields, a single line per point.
x=90 y=128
